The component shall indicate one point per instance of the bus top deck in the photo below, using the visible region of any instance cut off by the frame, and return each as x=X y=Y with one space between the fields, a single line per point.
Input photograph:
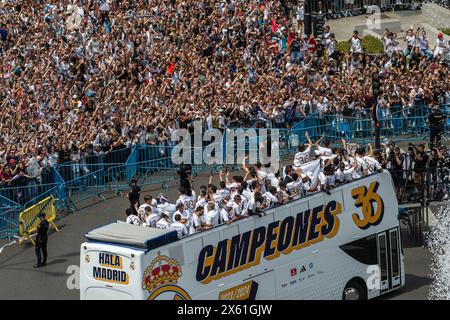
x=146 y=239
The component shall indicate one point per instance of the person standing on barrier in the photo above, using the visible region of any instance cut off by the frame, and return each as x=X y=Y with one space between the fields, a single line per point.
x=436 y=121
x=41 y=241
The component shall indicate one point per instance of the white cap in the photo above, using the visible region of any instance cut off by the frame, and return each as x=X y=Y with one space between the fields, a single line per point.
x=154 y=202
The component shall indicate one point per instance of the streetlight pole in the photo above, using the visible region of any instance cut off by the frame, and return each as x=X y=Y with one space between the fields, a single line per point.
x=308 y=22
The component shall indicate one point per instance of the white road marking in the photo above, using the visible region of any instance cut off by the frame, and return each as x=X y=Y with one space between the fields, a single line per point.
x=8 y=244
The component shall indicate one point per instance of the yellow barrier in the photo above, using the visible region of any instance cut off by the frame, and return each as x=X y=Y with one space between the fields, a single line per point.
x=29 y=218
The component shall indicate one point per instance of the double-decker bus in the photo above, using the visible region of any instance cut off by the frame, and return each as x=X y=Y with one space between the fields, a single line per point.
x=341 y=245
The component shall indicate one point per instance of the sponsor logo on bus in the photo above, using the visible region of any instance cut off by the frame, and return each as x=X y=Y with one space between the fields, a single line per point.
x=161 y=277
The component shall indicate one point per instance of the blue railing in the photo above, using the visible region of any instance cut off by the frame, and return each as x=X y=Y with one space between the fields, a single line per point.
x=92 y=177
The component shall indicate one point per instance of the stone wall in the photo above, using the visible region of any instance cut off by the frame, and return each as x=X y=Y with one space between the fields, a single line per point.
x=439 y=16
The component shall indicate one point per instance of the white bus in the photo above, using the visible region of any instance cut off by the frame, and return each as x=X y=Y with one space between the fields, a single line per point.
x=343 y=245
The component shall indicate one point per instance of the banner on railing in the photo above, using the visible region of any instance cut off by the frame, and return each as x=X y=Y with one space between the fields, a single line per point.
x=29 y=218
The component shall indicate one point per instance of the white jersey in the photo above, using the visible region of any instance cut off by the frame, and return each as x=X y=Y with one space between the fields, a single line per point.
x=196 y=223
x=201 y=203
x=295 y=188
x=226 y=215
x=327 y=180
x=141 y=211
x=187 y=201
x=179 y=228
x=212 y=217
x=270 y=199
x=133 y=219
x=166 y=206
x=163 y=224
x=358 y=172
x=151 y=220
x=325 y=151
x=340 y=176
x=302 y=157
x=372 y=164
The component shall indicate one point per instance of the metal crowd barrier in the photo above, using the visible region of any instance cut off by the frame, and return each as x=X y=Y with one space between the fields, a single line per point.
x=355 y=7
x=92 y=177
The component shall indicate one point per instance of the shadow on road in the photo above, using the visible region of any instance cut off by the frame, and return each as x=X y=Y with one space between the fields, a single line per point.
x=412 y=283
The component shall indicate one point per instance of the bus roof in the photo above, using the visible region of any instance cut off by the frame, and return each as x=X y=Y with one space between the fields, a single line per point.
x=133 y=236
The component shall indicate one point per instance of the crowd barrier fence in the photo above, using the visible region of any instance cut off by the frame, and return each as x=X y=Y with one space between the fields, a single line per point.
x=92 y=177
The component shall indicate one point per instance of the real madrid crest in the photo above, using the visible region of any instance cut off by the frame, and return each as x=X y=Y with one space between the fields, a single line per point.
x=161 y=277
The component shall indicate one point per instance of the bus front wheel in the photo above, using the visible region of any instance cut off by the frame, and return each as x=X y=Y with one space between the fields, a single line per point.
x=354 y=291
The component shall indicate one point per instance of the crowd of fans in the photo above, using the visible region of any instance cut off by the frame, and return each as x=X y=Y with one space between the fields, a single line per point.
x=316 y=168
x=83 y=78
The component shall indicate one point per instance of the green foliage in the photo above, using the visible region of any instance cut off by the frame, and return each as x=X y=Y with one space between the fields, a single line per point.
x=369 y=43
x=446 y=31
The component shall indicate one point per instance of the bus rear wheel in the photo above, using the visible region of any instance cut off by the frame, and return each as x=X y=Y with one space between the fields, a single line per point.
x=354 y=291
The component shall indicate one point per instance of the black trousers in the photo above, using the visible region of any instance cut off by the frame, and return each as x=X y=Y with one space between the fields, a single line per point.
x=41 y=246
x=435 y=135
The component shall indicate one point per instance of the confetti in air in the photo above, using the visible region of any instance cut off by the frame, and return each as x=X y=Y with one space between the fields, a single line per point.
x=439 y=245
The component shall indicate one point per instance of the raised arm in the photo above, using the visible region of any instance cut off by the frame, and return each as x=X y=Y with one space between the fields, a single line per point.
x=309 y=140
x=320 y=139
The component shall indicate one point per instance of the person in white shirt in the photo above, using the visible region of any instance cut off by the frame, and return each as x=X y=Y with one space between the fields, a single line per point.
x=164 y=205
x=294 y=188
x=440 y=46
x=147 y=203
x=410 y=42
x=303 y=154
x=186 y=215
x=131 y=217
x=307 y=186
x=355 y=43
x=203 y=199
x=226 y=213
x=211 y=215
x=151 y=218
x=187 y=198
x=327 y=177
x=244 y=191
x=197 y=221
x=163 y=223
x=361 y=166
x=178 y=226
x=372 y=164
x=325 y=150
x=271 y=196
x=241 y=208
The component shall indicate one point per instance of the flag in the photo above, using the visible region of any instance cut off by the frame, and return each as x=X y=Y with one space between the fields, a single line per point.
x=170 y=69
x=312 y=169
x=274 y=25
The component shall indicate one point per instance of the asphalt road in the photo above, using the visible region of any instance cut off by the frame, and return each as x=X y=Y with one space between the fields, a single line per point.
x=19 y=280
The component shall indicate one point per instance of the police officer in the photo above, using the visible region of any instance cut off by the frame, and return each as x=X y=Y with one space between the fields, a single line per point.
x=41 y=241
x=436 y=121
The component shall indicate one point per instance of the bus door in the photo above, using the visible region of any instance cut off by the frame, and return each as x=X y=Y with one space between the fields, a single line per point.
x=389 y=261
